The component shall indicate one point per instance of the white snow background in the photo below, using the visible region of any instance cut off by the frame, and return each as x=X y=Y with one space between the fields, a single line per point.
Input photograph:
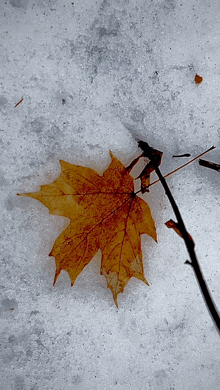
x=92 y=74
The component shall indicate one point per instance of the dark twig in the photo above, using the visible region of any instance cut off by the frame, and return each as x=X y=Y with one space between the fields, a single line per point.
x=188 y=242
x=210 y=165
x=183 y=155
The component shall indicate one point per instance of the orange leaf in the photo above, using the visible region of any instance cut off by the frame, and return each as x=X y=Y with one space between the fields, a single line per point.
x=104 y=214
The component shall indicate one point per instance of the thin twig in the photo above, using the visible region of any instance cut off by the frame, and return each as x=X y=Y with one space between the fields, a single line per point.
x=17 y=104
x=188 y=242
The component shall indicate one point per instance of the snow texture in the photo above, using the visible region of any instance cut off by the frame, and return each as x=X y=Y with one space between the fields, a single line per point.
x=95 y=75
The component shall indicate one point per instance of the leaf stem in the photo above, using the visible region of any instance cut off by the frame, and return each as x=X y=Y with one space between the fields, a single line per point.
x=188 y=242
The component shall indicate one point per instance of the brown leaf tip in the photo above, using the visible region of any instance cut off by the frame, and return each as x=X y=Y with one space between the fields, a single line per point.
x=56 y=277
x=115 y=300
x=198 y=79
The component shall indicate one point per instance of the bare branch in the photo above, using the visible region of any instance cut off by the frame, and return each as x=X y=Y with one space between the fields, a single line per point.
x=187 y=238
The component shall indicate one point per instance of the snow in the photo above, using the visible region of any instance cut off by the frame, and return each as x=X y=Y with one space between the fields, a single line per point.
x=94 y=75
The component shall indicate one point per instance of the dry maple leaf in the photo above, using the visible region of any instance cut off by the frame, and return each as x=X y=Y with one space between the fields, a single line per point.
x=104 y=214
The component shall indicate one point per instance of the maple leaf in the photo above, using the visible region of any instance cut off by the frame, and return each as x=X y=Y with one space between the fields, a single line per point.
x=105 y=214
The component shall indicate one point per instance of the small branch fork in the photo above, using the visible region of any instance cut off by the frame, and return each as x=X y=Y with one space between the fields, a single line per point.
x=150 y=153
x=184 y=165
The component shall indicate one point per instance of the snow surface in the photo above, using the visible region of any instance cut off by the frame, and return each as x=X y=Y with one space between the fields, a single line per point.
x=94 y=75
